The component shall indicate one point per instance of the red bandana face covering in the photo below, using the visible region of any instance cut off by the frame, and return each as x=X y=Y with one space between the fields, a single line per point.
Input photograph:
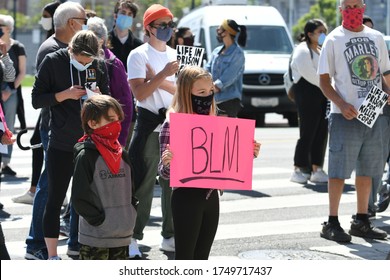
x=353 y=18
x=106 y=141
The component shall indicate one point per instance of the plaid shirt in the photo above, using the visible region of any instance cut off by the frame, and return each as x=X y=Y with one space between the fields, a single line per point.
x=164 y=170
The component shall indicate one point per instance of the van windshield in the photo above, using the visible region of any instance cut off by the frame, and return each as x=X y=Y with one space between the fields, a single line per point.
x=261 y=39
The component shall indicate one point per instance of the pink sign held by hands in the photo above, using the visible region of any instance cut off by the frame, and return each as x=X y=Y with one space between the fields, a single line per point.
x=211 y=152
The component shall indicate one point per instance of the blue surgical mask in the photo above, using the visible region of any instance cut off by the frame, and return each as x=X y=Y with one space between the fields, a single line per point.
x=84 y=27
x=164 y=34
x=321 y=39
x=124 y=22
x=78 y=65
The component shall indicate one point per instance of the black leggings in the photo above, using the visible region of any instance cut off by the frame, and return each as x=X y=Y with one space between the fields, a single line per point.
x=3 y=249
x=60 y=171
x=37 y=154
x=313 y=127
x=195 y=221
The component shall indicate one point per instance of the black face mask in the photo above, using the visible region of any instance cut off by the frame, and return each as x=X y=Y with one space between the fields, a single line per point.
x=219 y=37
x=188 y=41
x=202 y=104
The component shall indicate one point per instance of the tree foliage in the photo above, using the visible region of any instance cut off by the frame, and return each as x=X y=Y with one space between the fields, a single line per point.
x=322 y=9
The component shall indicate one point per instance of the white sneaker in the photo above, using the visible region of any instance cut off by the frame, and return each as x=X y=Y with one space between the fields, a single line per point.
x=319 y=176
x=26 y=198
x=134 y=250
x=168 y=245
x=299 y=177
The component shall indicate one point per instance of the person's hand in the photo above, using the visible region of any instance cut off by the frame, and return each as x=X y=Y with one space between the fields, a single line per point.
x=8 y=138
x=349 y=112
x=166 y=156
x=76 y=92
x=149 y=72
x=256 y=148
x=171 y=68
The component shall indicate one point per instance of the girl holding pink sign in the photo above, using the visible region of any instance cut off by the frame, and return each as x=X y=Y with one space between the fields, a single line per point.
x=195 y=211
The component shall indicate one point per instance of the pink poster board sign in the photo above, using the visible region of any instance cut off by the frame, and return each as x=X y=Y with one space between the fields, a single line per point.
x=211 y=152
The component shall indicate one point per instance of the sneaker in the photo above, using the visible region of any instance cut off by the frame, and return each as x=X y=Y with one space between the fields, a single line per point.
x=334 y=232
x=371 y=214
x=134 y=251
x=299 y=177
x=65 y=227
x=73 y=251
x=366 y=229
x=319 y=176
x=383 y=202
x=168 y=245
x=8 y=171
x=54 y=258
x=26 y=198
x=40 y=254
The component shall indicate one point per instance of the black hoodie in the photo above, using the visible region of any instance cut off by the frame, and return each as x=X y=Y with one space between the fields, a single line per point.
x=53 y=77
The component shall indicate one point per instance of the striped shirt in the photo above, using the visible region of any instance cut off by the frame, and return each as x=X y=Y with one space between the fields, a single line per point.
x=8 y=68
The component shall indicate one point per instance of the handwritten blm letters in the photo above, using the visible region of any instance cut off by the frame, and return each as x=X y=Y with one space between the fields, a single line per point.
x=211 y=152
x=372 y=106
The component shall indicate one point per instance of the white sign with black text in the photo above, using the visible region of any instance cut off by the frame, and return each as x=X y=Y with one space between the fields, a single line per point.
x=372 y=106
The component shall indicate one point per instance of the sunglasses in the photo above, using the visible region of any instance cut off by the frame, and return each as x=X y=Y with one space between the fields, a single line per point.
x=83 y=19
x=164 y=25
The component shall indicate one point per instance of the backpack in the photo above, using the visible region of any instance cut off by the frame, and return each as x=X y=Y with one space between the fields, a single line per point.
x=288 y=81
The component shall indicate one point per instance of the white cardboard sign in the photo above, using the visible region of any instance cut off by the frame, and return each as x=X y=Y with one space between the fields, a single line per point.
x=372 y=106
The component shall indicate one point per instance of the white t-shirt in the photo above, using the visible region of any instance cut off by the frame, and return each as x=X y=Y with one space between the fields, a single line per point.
x=136 y=69
x=303 y=65
x=355 y=61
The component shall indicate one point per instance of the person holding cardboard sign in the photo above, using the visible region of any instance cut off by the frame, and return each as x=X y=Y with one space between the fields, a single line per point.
x=151 y=74
x=195 y=211
x=352 y=144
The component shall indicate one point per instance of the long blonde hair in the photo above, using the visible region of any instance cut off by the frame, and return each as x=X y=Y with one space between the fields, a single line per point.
x=181 y=102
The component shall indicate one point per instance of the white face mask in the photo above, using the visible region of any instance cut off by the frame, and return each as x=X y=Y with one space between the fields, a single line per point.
x=80 y=67
x=47 y=23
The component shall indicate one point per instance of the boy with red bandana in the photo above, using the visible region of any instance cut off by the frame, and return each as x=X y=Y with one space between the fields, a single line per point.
x=102 y=183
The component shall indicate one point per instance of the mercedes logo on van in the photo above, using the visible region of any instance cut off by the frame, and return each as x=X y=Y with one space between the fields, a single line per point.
x=264 y=79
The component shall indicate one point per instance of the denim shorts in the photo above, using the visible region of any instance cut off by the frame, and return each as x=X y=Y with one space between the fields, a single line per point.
x=355 y=146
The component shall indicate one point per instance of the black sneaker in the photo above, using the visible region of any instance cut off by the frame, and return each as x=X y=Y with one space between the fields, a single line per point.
x=366 y=229
x=40 y=254
x=371 y=215
x=334 y=232
x=8 y=171
x=383 y=203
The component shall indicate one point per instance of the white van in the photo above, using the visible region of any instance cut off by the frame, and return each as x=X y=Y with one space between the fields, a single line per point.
x=267 y=52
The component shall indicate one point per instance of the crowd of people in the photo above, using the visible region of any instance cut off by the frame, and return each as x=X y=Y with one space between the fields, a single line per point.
x=105 y=99
x=104 y=96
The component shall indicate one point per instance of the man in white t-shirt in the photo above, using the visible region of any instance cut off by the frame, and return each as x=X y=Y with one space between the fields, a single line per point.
x=353 y=145
x=151 y=72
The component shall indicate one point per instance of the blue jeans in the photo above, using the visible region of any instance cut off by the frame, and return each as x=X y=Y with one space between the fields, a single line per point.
x=73 y=242
x=10 y=115
x=35 y=239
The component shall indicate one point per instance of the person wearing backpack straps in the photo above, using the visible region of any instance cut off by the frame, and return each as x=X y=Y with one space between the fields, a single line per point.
x=311 y=105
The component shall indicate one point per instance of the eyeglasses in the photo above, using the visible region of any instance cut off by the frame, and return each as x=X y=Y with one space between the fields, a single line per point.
x=164 y=25
x=85 y=20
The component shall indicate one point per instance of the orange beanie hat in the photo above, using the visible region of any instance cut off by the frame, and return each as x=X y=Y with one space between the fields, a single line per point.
x=154 y=12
